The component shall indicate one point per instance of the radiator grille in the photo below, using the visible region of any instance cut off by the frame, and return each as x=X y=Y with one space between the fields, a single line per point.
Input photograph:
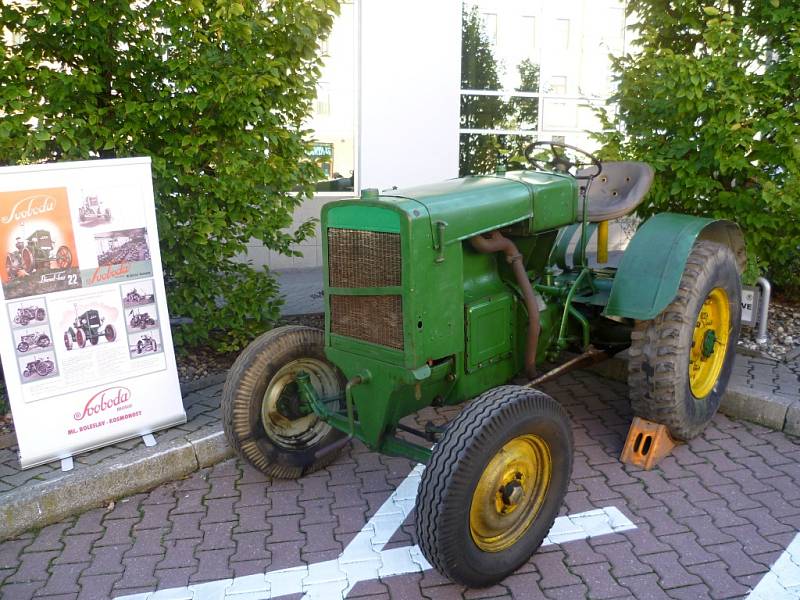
x=358 y=259
x=376 y=319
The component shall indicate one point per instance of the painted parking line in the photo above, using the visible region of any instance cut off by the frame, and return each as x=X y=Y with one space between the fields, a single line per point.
x=782 y=582
x=364 y=558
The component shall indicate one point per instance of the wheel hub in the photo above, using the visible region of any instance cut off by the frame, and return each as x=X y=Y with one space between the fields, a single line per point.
x=285 y=418
x=709 y=339
x=709 y=343
x=510 y=493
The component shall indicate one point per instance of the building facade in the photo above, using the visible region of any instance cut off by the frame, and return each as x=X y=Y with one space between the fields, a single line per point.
x=405 y=100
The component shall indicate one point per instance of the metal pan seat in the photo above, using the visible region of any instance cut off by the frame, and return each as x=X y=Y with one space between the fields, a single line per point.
x=617 y=191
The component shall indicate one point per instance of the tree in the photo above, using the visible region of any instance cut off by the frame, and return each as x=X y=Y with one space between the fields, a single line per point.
x=710 y=100
x=216 y=92
x=524 y=113
x=478 y=153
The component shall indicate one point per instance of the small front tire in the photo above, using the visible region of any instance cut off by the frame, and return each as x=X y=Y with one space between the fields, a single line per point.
x=494 y=485
x=261 y=412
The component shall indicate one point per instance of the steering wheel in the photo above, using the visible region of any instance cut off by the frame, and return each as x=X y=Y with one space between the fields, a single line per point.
x=560 y=162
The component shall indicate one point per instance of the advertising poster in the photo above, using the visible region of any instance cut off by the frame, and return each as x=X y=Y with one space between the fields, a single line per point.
x=87 y=351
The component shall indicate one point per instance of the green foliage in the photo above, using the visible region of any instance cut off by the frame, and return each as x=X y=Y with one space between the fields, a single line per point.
x=215 y=92
x=710 y=101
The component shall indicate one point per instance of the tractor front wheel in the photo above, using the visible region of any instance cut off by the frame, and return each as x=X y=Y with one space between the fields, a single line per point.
x=263 y=416
x=494 y=485
x=681 y=361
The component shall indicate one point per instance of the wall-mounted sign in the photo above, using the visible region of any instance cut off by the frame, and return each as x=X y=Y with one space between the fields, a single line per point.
x=750 y=303
x=322 y=150
x=87 y=351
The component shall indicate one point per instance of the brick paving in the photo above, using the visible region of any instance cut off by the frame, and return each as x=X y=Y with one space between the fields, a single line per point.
x=710 y=521
x=779 y=379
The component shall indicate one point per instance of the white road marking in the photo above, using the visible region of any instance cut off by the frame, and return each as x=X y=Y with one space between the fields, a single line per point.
x=782 y=582
x=364 y=558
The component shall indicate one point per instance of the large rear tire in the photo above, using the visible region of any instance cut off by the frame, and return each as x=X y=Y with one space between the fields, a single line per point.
x=681 y=361
x=494 y=485
x=261 y=413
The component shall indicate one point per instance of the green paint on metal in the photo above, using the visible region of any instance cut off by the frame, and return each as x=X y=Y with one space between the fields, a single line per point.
x=352 y=216
x=709 y=339
x=558 y=257
x=463 y=319
x=650 y=270
x=396 y=447
x=488 y=330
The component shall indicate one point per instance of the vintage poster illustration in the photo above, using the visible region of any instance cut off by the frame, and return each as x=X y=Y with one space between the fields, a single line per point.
x=86 y=347
x=36 y=236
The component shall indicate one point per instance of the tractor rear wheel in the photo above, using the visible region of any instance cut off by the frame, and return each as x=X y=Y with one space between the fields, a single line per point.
x=681 y=361
x=494 y=485
x=262 y=415
x=64 y=257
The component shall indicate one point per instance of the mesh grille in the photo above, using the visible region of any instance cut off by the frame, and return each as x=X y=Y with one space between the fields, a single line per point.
x=358 y=259
x=376 y=319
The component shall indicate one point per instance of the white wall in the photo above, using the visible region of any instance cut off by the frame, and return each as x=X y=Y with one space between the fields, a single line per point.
x=409 y=79
x=408 y=69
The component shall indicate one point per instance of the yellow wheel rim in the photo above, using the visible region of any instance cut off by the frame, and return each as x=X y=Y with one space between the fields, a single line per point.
x=510 y=493
x=709 y=343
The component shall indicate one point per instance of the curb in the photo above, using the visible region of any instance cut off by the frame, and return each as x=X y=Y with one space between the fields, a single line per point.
x=771 y=409
x=34 y=506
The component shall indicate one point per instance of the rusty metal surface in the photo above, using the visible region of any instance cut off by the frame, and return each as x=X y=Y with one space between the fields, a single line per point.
x=376 y=319
x=363 y=259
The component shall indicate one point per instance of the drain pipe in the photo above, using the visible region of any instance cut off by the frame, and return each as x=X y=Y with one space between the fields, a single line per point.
x=497 y=242
x=766 y=292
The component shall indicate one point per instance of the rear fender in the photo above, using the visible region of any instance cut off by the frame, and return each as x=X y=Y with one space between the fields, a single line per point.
x=650 y=270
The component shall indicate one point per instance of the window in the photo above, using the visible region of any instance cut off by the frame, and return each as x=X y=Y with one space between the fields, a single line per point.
x=489 y=21
x=333 y=120
x=322 y=105
x=517 y=86
x=558 y=85
x=496 y=124
x=527 y=35
x=561 y=33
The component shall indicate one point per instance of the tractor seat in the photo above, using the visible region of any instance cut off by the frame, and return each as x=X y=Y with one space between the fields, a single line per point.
x=619 y=188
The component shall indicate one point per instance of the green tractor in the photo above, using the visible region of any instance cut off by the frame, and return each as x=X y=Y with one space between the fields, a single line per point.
x=456 y=291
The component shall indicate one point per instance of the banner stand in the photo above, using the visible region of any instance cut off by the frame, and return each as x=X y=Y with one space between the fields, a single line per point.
x=85 y=337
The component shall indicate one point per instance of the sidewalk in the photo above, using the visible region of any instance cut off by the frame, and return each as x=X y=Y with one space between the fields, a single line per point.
x=761 y=390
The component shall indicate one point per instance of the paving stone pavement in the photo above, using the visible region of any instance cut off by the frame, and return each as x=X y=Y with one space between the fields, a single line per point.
x=709 y=521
